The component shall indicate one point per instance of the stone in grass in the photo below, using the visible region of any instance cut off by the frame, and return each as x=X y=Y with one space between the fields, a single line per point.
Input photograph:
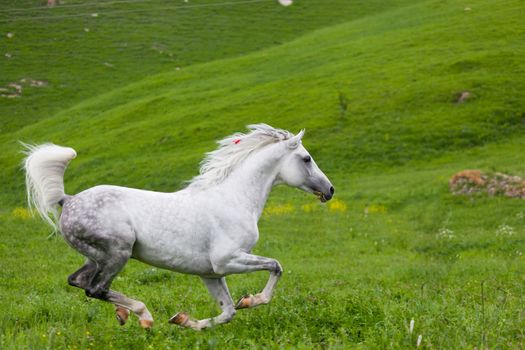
x=463 y=96
x=470 y=182
x=467 y=182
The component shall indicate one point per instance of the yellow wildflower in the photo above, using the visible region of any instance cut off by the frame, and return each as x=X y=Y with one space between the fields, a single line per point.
x=310 y=207
x=280 y=209
x=21 y=213
x=375 y=208
x=337 y=205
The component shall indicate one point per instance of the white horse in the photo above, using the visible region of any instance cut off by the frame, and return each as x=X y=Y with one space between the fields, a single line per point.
x=206 y=229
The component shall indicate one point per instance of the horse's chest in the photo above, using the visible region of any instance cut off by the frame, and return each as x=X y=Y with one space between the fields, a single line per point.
x=237 y=238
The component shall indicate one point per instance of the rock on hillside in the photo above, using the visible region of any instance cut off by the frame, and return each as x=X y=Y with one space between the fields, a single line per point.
x=469 y=182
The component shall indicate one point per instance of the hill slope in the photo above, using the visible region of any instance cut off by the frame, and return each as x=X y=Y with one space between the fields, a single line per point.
x=82 y=49
x=384 y=87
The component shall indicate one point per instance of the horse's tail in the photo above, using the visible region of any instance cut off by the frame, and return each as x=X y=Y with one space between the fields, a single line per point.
x=44 y=166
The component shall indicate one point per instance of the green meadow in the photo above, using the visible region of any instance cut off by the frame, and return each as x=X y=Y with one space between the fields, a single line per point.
x=142 y=89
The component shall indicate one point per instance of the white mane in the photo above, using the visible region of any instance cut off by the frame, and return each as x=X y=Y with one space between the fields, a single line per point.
x=234 y=149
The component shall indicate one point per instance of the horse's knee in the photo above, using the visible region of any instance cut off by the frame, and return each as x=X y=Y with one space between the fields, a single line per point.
x=97 y=292
x=277 y=268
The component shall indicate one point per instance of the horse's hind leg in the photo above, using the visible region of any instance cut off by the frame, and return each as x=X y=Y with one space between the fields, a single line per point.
x=107 y=269
x=83 y=276
x=125 y=304
x=98 y=227
x=107 y=254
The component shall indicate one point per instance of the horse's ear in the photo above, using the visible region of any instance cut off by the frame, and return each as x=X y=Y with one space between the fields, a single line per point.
x=295 y=141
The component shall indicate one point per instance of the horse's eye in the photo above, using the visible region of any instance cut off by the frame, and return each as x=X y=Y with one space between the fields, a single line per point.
x=307 y=159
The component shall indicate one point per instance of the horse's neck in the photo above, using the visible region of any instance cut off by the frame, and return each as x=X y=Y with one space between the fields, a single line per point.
x=252 y=182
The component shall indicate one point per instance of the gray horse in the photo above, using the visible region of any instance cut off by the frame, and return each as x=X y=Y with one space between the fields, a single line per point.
x=207 y=229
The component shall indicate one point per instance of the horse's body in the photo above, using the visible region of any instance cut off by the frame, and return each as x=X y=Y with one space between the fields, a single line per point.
x=207 y=229
x=174 y=231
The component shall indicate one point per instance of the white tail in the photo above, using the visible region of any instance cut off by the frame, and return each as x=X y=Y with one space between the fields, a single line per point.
x=44 y=166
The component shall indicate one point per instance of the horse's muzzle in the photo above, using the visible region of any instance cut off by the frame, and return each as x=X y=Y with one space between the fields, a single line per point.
x=324 y=197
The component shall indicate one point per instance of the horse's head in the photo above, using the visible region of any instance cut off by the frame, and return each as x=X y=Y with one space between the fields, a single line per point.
x=298 y=169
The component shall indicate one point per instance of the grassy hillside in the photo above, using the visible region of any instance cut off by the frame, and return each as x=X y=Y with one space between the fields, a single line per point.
x=374 y=92
x=78 y=55
x=378 y=96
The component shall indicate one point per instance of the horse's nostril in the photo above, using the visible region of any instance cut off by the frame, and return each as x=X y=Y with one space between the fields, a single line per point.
x=332 y=190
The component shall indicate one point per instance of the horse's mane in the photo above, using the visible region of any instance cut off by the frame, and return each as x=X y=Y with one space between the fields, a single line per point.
x=234 y=149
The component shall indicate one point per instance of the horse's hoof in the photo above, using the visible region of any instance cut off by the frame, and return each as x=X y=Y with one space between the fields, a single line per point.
x=122 y=315
x=180 y=318
x=146 y=324
x=245 y=302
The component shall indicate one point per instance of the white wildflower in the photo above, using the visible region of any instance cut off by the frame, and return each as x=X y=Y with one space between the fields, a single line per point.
x=411 y=327
x=285 y=2
x=418 y=343
x=505 y=230
x=445 y=234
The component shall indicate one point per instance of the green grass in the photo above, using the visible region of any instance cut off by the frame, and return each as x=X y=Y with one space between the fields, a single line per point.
x=376 y=92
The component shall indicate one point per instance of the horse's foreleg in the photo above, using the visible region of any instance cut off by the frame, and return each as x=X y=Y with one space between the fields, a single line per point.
x=265 y=296
x=242 y=263
x=219 y=290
